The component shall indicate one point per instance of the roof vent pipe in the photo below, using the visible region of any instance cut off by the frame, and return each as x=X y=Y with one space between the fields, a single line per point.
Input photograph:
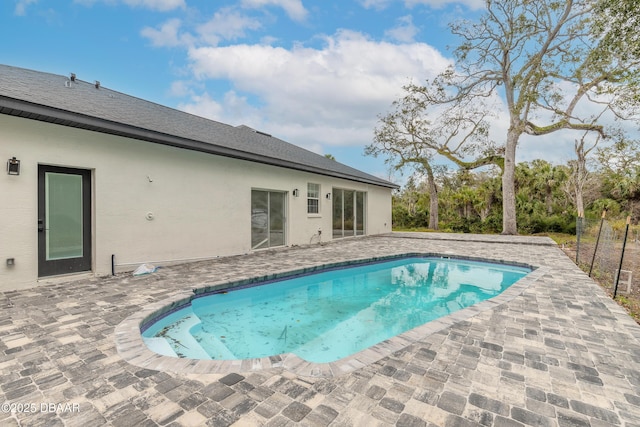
x=73 y=77
x=97 y=84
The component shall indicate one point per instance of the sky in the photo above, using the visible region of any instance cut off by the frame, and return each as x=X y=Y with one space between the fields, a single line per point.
x=315 y=73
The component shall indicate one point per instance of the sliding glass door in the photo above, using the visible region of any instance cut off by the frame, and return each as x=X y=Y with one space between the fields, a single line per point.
x=348 y=213
x=359 y=212
x=267 y=219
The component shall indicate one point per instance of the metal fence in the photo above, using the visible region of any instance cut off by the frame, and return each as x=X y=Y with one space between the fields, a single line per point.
x=609 y=252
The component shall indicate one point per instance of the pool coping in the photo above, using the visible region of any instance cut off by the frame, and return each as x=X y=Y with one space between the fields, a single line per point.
x=131 y=347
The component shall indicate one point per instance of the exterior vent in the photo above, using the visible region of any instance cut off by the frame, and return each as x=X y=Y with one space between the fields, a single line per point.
x=72 y=79
x=263 y=133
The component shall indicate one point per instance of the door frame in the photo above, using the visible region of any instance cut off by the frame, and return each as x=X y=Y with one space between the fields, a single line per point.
x=67 y=265
x=354 y=214
x=285 y=222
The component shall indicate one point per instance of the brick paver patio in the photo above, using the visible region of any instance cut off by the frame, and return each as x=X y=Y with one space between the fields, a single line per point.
x=559 y=353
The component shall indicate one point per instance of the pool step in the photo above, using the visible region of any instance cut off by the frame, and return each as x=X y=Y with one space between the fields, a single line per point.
x=160 y=346
x=178 y=341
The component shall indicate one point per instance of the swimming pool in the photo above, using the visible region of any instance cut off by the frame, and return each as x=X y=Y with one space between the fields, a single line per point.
x=327 y=315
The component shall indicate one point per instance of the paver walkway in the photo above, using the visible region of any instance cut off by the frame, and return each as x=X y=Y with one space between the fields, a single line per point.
x=561 y=353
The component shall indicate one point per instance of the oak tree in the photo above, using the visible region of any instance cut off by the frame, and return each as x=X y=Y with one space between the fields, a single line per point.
x=409 y=137
x=556 y=65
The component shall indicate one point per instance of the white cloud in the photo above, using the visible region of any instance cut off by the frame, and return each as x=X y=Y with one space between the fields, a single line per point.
x=21 y=6
x=227 y=24
x=294 y=8
x=309 y=96
x=180 y=88
x=435 y=4
x=232 y=106
x=206 y=107
x=375 y=4
x=439 y=4
x=405 y=31
x=268 y=40
x=160 y=5
x=168 y=35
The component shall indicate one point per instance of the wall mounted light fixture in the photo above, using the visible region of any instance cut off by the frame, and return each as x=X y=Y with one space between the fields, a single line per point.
x=328 y=196
x=13 y=166
x=296 y=193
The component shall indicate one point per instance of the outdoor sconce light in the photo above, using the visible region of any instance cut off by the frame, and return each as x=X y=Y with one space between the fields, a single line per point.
x=13 y=166
x=328 y=196
x=296 y=193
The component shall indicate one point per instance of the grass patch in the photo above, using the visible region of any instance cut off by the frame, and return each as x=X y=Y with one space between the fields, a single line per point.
x=631 y=304
x=559 y=238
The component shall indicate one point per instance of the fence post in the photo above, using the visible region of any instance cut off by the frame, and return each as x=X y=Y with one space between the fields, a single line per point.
x=624 y=244
x=595 y=250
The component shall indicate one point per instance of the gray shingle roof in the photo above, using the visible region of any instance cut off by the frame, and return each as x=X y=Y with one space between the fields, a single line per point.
x=56 y=99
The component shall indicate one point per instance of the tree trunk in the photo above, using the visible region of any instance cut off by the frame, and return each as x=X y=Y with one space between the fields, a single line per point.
x=579 y=202
x=580 y=178
x=433 y=198
x=509 y=225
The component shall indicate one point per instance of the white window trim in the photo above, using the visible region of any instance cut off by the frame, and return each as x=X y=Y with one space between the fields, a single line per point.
x=314 y=214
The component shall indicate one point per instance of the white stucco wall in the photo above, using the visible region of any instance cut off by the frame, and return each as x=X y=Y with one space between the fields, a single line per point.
x=200 y=202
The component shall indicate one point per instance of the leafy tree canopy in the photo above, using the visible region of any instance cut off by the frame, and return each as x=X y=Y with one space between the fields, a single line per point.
x=554 y=64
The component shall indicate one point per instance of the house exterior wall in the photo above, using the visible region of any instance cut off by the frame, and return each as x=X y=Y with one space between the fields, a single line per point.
x=201 y=203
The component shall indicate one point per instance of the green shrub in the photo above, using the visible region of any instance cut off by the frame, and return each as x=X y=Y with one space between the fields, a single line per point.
x=537 y=223
x=612 y=207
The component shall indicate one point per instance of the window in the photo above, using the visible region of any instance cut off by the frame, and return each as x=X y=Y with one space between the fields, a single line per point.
x=313 y=198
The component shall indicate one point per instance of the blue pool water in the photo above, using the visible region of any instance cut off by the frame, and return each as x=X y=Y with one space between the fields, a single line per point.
x=325 y=316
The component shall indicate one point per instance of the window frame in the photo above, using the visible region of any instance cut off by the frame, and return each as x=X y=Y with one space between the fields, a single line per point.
x=310 y=198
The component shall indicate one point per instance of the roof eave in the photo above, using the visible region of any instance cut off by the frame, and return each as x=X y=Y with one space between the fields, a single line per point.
x=25 y=109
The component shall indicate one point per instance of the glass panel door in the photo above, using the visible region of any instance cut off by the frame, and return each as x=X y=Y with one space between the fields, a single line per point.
x=359 y=213
x=276 y=219
x=267 y=219
x=64 y=220
x=337 y=212
x=348 y=223
x=348 y=213
x=259 y=219
x=63 y=215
